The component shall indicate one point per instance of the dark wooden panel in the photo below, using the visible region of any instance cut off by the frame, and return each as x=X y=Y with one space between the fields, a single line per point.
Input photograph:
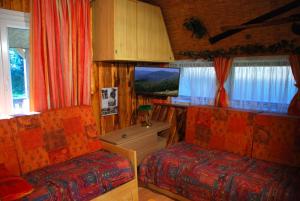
x=176 y=116
x=19 y=5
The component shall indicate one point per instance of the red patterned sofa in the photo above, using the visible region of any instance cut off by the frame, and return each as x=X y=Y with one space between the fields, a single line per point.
x=229 y=155
x=58 y=153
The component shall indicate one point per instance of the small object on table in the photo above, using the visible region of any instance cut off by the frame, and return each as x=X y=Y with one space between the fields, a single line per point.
x=144 y=113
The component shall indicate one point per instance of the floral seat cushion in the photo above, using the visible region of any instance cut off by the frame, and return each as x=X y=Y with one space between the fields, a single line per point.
x=203 y=175
x=82 y=178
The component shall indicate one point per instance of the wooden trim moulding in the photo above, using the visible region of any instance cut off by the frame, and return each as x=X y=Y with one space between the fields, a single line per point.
x=166 y=192
x=172 y=105
x=129 y=190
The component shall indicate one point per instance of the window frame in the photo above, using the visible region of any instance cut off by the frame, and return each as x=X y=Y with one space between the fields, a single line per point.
x=13 y=19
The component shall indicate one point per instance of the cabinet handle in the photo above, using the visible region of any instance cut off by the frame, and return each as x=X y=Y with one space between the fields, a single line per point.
x=116 y=51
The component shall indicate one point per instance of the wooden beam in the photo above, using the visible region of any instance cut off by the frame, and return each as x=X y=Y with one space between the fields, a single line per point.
x=293 y=18
x=262 y=18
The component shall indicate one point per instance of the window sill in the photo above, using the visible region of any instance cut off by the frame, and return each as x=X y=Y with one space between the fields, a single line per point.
x=24 y=114
x=186 y=104
x=2 y=116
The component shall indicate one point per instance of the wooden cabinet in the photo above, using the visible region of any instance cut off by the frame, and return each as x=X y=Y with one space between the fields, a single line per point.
x=129 y=30
x=125 y=30
x=152 y=37
x=141 y=139
x=114 y=30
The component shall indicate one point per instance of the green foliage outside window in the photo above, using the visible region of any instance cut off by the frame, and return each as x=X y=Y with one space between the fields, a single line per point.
x=17 y=73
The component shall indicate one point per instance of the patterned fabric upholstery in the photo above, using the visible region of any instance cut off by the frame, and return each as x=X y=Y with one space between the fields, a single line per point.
x=29 y=143
x=221 y=129
x=277 y=139
x=8 y=153
x=12 y=187
x=211 y=175
x=55 y=136
x=82 y=178
x=60 y=154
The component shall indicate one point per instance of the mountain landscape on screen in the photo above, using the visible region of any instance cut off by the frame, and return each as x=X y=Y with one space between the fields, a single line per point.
x=156 y=81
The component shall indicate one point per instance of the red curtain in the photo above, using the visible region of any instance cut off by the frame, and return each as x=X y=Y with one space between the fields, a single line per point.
x=61 y=54
x=222 y=67
x=294 y=107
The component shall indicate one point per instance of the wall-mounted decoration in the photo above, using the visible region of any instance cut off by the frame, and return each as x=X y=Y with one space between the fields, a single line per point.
x=258 y=20
x=290 y=19
x=109 y=101
x=281 y=47
x=195 y=26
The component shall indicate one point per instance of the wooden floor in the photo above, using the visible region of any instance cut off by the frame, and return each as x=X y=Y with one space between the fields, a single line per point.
x=148 y=195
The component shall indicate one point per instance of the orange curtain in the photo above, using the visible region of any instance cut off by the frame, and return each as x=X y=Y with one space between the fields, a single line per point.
x=294 y=107
x=60 y=54
x=222 y=68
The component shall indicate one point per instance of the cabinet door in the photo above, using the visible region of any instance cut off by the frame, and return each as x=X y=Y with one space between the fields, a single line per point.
x=152 y=38
x=103 y=30
x=125 y=29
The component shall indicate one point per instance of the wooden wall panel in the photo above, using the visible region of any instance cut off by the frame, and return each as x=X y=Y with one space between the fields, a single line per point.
x=116 y=75
x=95 y=94
x=18 y=5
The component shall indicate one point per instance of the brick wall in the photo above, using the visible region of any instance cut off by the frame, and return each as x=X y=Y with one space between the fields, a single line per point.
x=217 y=13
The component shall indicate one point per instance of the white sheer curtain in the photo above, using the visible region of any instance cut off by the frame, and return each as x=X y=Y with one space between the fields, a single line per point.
x=266 y=85
x=255 y=83
x=197 y=83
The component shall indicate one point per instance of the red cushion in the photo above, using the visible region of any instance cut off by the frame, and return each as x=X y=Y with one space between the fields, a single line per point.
x=95 y=145
x=12 y=187
x=4 y=172
x=73 y=126
x=32 y=138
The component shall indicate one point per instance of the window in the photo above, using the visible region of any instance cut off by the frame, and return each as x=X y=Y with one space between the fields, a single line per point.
x=14 y=60
x=265 y=84
x=197 y=83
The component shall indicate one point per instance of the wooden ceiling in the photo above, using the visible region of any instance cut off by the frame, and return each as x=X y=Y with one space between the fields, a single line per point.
x=215 y=14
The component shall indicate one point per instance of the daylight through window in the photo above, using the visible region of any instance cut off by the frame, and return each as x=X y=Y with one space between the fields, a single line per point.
x=14 y=50
x=255 y=84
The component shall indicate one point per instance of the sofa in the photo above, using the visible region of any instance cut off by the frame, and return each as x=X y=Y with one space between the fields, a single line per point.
x=58 y=154
x=229 y=155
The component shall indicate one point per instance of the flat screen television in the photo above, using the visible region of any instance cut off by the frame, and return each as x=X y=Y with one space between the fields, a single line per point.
x=155 y=81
